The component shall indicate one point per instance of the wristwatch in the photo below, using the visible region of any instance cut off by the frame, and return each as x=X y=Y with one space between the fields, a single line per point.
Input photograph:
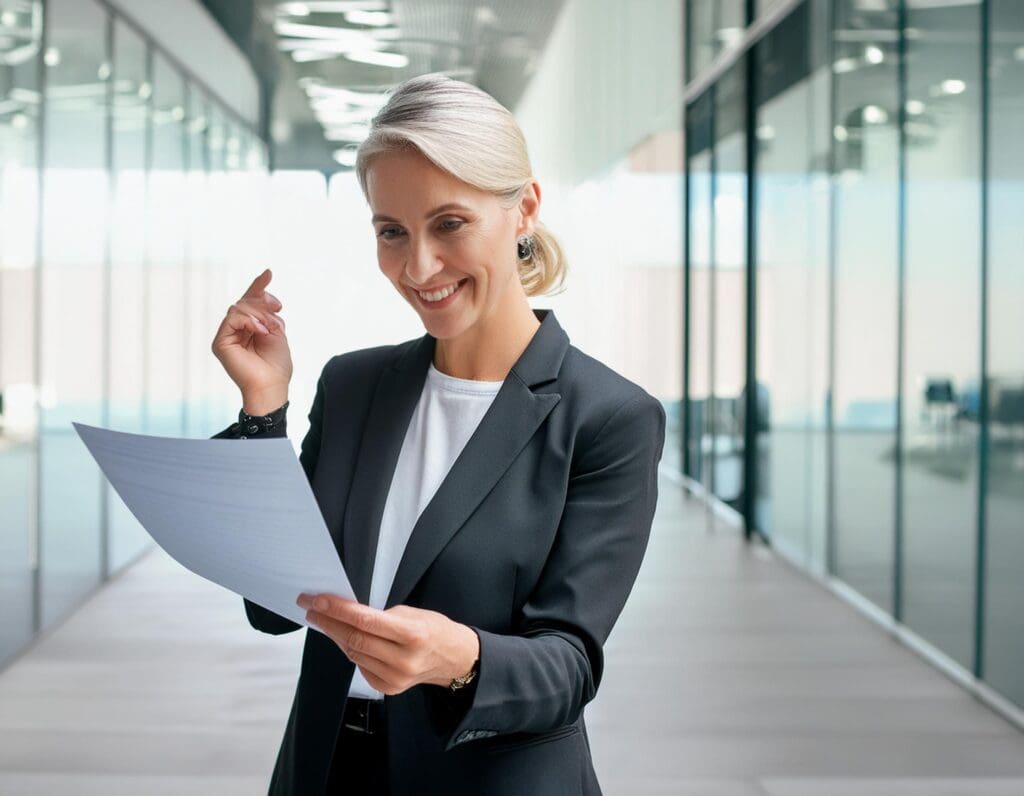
x=466 y=679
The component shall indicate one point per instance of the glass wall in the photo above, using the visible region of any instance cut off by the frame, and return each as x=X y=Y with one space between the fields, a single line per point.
x=942 y=324
x=107 y=137
x=792 y=134
x=883 y=263
x=73 y=300
x=699 y=259
x=1003 y=620
x=125 y=407
x=728 y=323
x=865 y=251
x=20 y=55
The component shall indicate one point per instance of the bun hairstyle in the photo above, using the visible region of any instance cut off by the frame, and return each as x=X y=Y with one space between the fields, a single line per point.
x=464 y=131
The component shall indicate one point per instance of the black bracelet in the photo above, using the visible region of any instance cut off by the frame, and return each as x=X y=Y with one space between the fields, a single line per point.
x=254 y=425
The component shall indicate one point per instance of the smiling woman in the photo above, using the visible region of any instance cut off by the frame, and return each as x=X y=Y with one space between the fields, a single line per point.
x=489 y=487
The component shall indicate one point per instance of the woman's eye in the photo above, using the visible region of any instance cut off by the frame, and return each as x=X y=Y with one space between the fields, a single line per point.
x=384 y=232
x=455 y=221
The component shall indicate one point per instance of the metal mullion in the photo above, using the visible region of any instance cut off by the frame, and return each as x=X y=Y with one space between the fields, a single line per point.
x=37 y=366
x=901 y=263
x=108 y=159
x=983 y=396
x=831 y=542
x=750 y=425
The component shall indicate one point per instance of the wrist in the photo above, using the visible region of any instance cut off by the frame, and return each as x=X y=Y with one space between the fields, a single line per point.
x=263 y=402
x=467 y=657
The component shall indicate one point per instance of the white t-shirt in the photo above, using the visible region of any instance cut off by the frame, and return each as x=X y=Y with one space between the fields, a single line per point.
x=448 y=412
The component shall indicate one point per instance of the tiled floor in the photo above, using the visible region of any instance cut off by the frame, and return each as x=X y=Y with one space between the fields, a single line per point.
x=729 y=674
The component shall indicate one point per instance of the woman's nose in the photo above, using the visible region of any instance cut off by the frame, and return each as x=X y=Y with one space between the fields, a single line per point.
x=423 y=262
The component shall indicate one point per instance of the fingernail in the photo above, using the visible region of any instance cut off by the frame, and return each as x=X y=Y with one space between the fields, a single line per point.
x=320 y=603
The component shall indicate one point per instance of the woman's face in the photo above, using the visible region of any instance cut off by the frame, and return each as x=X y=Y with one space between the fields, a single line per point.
x=436 y=232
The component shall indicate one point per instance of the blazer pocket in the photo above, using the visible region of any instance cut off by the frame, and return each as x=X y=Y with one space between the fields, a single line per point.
x=521 y=740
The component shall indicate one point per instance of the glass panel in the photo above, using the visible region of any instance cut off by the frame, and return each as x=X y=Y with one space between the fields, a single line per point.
x=728 y=290
x=942 y=325
x=73 y=300
x=200 y=327
x=792 y=101
x=713 y=26
x=1004 y=596
x=165 y=365
x=698 y=143
x=866 y=193
x=127 y=253
x=19 y=163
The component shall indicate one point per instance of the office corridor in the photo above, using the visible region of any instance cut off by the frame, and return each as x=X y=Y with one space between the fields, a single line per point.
x=729 y=674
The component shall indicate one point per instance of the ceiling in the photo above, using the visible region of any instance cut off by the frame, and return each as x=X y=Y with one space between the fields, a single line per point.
x=316 y=123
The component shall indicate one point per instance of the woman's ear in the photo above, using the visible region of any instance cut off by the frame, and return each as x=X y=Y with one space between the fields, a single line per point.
x=529 y=207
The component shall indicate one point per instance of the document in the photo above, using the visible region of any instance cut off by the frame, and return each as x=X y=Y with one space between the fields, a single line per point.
x=241 y=514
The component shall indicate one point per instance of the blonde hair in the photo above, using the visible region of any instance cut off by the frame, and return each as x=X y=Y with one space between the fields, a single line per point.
x=464 y=131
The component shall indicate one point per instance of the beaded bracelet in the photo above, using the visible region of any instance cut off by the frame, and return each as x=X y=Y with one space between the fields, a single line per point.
x=254 y=425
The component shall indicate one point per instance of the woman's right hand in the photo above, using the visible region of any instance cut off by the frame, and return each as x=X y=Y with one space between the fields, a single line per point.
x=251 y=345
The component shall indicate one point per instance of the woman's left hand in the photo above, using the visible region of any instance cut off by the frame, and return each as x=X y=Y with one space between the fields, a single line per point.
x=397 y=648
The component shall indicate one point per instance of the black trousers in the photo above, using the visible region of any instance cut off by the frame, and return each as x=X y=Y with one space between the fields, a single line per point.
x=360 y=765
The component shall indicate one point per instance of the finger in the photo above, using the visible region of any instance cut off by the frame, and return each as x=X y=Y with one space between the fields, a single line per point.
x=255 y=289
x=363 y=617
x=266 y=320
x=270 y=319
x=243 y=320
x=353 y=640
x=273 y=301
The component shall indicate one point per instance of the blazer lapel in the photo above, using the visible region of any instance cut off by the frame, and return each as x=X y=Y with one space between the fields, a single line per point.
x=511 y=420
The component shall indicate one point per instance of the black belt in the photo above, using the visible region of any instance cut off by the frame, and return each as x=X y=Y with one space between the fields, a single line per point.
x=364 y=715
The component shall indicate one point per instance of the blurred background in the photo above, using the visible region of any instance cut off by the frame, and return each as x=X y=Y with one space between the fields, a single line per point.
x=796 y=222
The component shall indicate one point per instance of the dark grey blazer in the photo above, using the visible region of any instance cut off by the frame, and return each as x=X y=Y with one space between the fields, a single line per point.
x=533 y=539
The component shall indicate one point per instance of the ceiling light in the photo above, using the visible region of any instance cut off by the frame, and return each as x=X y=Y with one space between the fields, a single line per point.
x=843 y=65
x=299 y=30
x=873 y=114
x=294 y=9
x=952 y=86
x=915 y=107
x=52 y=56
x=873 y=54
x=348 y=132
x=765 y=132
x=346 y=156
x=840 y=133
x=375 y=19
x=307 y=55
x=1019 y=53
x=378 y=57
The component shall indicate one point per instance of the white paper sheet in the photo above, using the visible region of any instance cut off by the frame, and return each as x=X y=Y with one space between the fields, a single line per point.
x=238 y=513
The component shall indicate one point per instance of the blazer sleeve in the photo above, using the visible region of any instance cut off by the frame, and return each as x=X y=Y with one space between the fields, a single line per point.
x=541 y=677
x=261 y=618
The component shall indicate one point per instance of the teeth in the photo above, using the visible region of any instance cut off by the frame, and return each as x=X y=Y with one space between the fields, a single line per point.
x=440 y=294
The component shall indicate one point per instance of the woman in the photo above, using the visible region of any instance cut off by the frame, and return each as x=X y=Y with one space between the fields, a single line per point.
x=490 y=488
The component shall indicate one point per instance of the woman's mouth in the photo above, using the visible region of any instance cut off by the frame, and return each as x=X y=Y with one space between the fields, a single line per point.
x=447 y=296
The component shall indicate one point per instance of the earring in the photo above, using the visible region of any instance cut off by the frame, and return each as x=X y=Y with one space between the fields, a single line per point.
x=524 y=247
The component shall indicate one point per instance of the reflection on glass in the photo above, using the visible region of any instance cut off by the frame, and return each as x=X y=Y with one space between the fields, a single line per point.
x=165 y=355
x=1004 y=504
x=866 y=190
x=127 y=253
x=792 y=269
x=73 y=302
x=200 y=324
x=698 y=121
x=942 y=326
x=728 y=286
x=713 y=25
x=19 y=163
